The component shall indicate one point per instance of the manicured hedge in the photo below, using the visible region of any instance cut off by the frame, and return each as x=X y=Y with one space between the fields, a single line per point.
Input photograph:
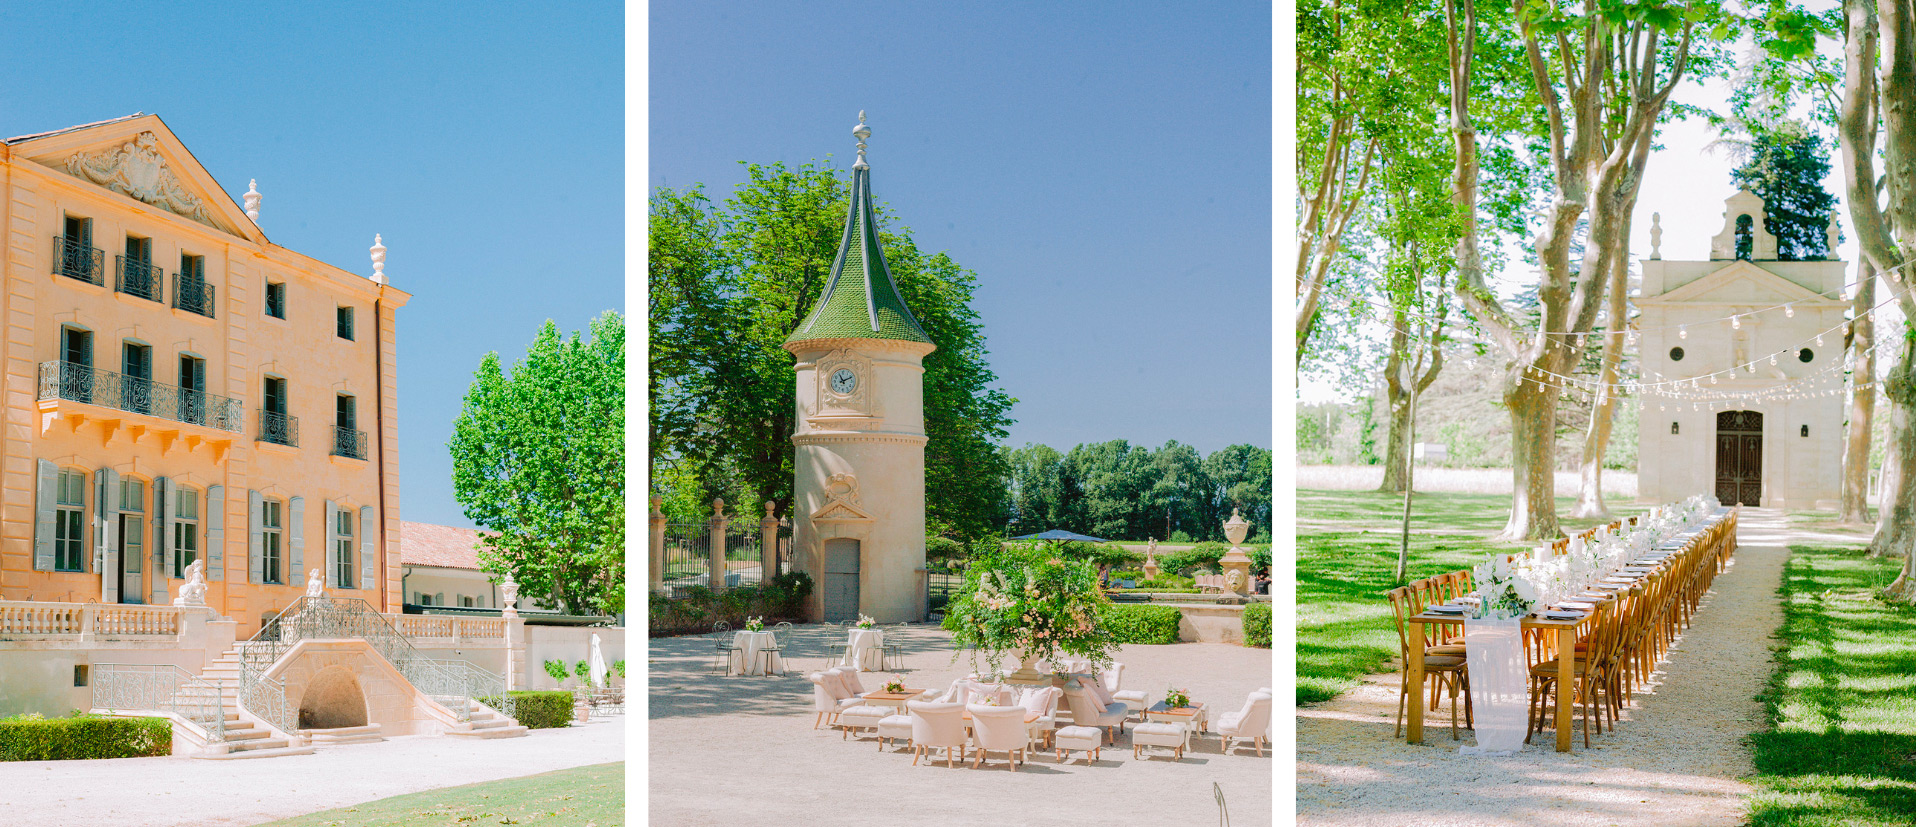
x=548 y=709
x=1134 y=623
x=34 y=738
x=784 y=597
x=1257 y=624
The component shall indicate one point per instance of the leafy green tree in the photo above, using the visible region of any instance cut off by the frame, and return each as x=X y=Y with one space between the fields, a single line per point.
x=539 y=464
x=1784 y=166
x=730 y=281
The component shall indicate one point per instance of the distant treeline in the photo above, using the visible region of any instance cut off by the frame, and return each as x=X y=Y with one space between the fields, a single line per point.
x=1118 y=491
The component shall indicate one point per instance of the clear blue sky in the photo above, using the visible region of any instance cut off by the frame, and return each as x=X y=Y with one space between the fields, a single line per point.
x=486 y=146
x=1103 y=167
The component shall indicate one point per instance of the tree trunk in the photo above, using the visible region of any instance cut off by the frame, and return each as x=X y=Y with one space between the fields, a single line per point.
x=1894 y=536
x=1592 y=503
x=1854 y=470
x=1531 y=408
x=1901 y=589
x=1399 y=445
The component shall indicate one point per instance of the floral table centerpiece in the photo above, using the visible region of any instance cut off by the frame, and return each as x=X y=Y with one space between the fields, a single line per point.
x=1176 y=699
x=864 y=622
x=754 y=625
x=1028 y=602
x=895 y=685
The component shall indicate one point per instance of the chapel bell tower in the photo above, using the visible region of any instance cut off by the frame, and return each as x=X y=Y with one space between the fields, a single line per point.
x=859 y=463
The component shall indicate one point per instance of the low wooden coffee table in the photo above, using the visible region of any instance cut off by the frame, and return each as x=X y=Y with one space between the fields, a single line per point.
x=896 y=699
x=1194 y=715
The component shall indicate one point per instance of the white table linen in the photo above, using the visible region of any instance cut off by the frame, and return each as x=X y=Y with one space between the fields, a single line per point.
x=747 y=659
x=864 y=650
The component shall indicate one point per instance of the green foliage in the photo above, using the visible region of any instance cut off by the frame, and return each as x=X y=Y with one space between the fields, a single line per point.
x=1203 y=558
x=1026 y=600
x=1116 y=490
x=556 y=669
x=546 y=709
x=1136 y=623
x=943 y=551
x=728 y=282
x=781 y=597
x=582 y=670
x=539 y=463
x=1838 y=747
x=619 y=667
x=1179 y=536
x=1256 y=625
x=1785 y=165
x=32 y=737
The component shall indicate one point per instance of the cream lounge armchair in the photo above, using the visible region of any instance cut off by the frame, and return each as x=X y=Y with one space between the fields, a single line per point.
x=999 y=729
x=1091 y=709
x=937 y=725
x=1044 y=700
x=830 y=697
x=1249 y=723
x=1135 y=699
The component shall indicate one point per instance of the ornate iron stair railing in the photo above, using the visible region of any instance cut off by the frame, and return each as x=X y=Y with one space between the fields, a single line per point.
x=456 y=685
x=162 y=687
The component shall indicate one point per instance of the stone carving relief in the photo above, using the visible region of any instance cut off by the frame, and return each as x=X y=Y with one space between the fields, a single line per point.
x=137 y=170
x=845 y=384
x=843 y=500
x=316 y=585
x=194 y=591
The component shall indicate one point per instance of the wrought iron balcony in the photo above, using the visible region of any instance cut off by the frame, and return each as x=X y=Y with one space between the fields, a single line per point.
x=192 y=294
x=75 y=260
x=89 y=385
x=348 y=442
x=279 y=429
x=136 y=278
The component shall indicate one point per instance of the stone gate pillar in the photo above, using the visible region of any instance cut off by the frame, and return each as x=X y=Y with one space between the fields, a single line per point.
x=717 y=547
x=656 y=548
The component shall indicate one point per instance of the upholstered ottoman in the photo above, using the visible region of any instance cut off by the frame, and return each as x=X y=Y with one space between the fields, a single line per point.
x=862 y=717
x=1135 y=699
x=894 y=726
x=1069 y=738
x=1160 y=735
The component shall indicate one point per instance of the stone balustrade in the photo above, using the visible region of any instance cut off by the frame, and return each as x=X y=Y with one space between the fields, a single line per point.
x=450 y=630
x=87 y=621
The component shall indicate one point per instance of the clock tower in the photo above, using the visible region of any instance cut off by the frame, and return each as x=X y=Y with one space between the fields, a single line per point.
x=859 y=463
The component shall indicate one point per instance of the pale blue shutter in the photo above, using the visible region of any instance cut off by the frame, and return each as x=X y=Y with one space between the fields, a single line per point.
x=370 y=559
x=255 y=545
x=332 y=564
x=295 y=532
x=163 y=538
x=106 y=552
x=45 y=511
x=216 y=523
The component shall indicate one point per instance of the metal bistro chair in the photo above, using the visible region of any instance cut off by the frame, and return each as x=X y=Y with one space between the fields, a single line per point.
x=782 y=632
x=723 y=646
x=837 y=641
x=894 y=647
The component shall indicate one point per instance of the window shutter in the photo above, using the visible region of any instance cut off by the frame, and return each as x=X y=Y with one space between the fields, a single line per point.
x=370 y=561
x=163 y=551
x=216 y=523
x=46 y=499
x=255 y=544
x=333 y=565
x=296 y=533
x=106 y=552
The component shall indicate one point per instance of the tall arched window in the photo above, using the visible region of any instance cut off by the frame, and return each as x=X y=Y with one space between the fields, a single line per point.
x=1743 y=237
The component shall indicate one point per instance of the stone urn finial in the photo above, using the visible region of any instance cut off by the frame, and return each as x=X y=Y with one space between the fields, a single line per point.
x=656 y=502
x=718 y=506
x=379 y=254
x=252 y=200
x=1236 y=528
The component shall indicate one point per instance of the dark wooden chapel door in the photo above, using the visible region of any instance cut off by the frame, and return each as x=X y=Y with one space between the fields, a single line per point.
x=1736 y=472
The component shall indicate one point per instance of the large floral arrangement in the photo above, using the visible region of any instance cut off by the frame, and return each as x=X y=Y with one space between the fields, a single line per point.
x=1033 y=604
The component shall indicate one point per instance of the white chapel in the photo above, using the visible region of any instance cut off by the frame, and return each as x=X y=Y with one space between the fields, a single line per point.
x=1740 y=361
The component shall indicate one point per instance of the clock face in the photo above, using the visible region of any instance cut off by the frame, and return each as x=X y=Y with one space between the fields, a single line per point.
x=842 y=381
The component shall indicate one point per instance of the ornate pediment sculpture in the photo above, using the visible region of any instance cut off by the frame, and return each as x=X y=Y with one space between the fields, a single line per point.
x=137 y=170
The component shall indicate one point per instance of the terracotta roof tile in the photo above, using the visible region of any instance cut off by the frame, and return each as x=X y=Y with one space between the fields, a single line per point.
x=426 y=544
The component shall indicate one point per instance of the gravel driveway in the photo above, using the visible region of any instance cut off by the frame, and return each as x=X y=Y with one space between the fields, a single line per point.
x=1675 y=758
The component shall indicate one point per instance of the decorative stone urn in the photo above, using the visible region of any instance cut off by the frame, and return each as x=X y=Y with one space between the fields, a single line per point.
x=1026 y=674
x=1235 y=562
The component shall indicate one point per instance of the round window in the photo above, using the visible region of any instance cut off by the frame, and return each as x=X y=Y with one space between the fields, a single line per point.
x=1806 y=354
x=1677 y=354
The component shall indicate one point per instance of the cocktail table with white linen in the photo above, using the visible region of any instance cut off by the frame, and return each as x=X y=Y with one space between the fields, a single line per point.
x=864 y=650
x=747 y=656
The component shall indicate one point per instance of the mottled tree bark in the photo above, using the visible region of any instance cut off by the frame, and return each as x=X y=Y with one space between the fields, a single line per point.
x=1424 y=365
x=1853 y=466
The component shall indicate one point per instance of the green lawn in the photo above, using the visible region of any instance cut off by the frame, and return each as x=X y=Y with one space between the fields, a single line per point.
x=1349 y=542
x=1839 y=746
x=580 y=797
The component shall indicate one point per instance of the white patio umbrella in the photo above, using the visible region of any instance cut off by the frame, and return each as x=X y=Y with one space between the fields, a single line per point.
x=597 y=663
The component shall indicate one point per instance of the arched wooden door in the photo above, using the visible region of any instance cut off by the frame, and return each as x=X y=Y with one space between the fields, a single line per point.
x=1736 y=467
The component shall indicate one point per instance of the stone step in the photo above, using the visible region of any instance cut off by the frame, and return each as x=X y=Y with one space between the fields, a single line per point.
x=515 y=731
x=274 y=752
x=344 y=735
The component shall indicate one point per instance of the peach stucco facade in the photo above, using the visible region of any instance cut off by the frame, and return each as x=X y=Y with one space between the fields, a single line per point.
x=134 y=405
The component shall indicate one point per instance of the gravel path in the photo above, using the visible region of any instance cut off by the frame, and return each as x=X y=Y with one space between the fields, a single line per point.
x=1675 y=758
x=740 y=751
x=190 y=792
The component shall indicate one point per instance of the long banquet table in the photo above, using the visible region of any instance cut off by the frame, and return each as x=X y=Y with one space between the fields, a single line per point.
x=1566 y=634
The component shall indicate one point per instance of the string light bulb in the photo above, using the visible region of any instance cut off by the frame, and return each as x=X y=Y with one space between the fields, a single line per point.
x=1820 y=340
x=1789 y=311
x=1683 y=331
x=1736 y=321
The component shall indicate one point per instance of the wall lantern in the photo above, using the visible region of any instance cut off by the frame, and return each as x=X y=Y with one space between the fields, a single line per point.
x=1803 y=430
x=1676 y=428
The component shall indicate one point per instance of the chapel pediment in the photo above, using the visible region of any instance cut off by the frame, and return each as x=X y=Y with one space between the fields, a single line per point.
x=140 y=158
x=1740 y=282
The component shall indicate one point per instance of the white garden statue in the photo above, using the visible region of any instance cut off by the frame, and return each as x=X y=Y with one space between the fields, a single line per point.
x=596 y=662
x=194 y=591
x=316 y=585
x=509 y=598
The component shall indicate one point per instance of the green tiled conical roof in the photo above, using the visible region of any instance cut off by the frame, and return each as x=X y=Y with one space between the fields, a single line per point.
x=860 y=300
